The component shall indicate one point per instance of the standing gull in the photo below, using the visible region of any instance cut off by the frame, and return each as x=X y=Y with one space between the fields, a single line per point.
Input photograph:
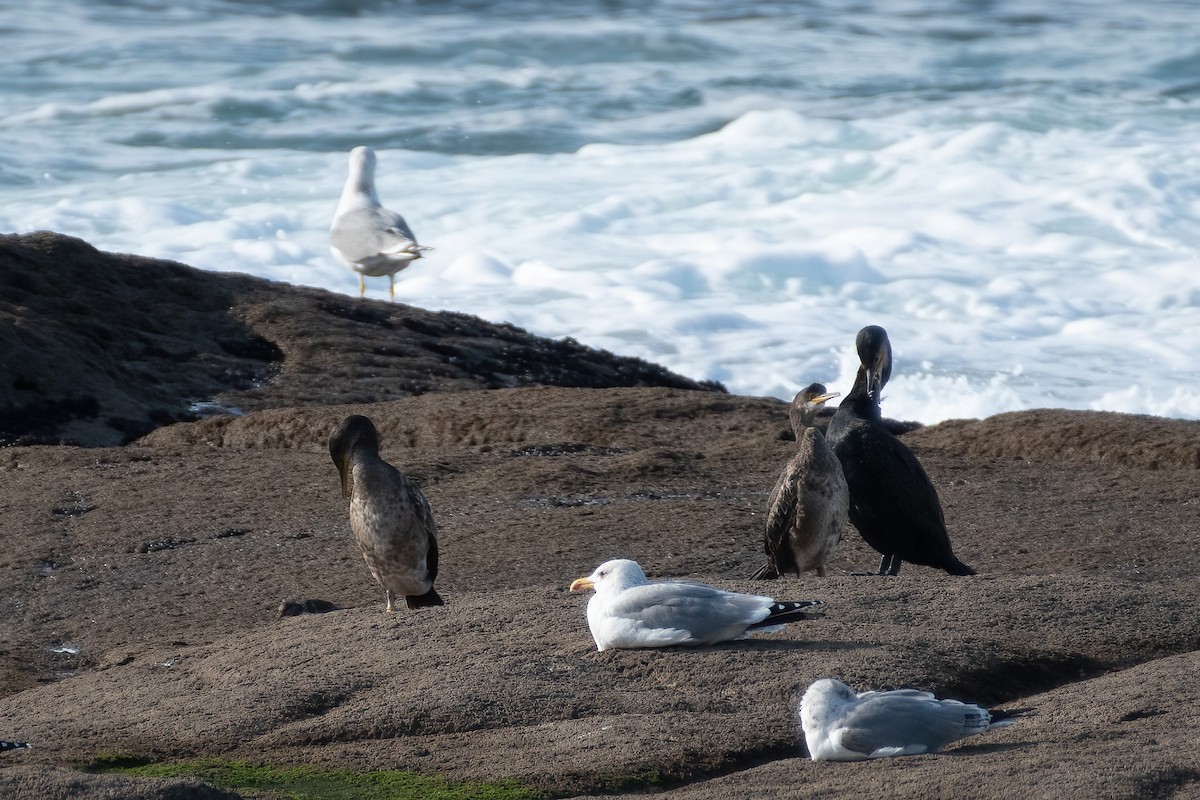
x=892 y=501
x=840 y=725
x=629 y=612
x=391 y=521
x=369 y=238
x=808 y=506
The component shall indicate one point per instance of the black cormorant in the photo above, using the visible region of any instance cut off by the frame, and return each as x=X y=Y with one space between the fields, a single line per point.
x=892 y=502
x=875 y=353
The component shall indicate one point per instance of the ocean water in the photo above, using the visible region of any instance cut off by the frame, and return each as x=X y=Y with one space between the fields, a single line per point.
x=731 y=189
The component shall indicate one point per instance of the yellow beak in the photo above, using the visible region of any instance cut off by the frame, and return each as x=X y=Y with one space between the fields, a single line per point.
x=824 y=398
x=581 y=584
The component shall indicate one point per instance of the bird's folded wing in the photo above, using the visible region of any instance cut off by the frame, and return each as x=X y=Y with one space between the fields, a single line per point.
x=394 y=223
x=916 y=694
x=911 y=721
x=394 y=241
x=873 y=743
x=364 y=233
x=701 y=610
x=781 y=510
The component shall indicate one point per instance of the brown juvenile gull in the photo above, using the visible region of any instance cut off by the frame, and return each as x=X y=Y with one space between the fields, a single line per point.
x=808 y=507
x=892 y=501
x=369 y=238
x=840 y=725
x=391 y=521
x=629 y=612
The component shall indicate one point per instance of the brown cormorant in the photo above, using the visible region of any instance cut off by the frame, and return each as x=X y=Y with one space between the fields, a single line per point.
x=391 y=521
x=807 y=509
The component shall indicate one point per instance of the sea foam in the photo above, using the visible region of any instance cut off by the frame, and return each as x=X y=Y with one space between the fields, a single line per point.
x=1015 y=198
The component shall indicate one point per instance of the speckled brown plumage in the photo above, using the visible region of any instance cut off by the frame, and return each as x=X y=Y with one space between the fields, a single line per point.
x=389 y=516
x=807 y=509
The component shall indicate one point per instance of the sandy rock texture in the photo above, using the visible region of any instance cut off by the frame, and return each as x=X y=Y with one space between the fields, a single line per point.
x=140 y=588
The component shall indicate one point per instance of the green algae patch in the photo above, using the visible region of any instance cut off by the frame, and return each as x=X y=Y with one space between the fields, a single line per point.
x=311 y=783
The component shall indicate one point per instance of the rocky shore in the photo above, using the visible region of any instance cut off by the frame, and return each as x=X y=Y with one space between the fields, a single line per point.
x=149 y=542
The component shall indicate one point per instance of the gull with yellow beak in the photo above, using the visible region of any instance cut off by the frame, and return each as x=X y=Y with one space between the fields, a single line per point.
x=630 y=612
x=389 y=516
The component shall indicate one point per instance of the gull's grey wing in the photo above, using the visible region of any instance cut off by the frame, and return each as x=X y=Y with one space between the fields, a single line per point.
x=395 y=224
x=704 y=612
x=906 y=722
x=365 y=234
x=913 y=693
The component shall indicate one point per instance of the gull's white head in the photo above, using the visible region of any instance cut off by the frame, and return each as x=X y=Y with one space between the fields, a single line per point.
x=824 y=701
x=362 y=160
x=612 y=577
x=361 y=179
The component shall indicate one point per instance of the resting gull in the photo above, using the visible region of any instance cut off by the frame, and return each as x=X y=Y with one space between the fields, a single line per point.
x=391 y=521
x=840 y=725
x=369 y=238
x=629 y=612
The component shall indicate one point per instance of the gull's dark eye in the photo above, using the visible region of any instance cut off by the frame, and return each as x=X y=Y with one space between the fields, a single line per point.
x=604 y=574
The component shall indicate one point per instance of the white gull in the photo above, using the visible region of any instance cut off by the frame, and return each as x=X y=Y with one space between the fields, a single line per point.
x=840 y=725
x=629 y=611
x=370 y=239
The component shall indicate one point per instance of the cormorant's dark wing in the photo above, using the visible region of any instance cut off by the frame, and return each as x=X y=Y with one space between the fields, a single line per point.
x=781 y=512
x=426 y=515
x=898 y=502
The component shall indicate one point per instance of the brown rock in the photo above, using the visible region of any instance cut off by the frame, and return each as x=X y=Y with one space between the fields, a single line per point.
x=140 y=588
x=101 y=348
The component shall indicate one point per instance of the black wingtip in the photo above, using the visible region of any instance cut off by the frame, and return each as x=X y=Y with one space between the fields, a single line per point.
x=15 y=745
x=430 y=598
x=790 y=611
x=789 y=606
